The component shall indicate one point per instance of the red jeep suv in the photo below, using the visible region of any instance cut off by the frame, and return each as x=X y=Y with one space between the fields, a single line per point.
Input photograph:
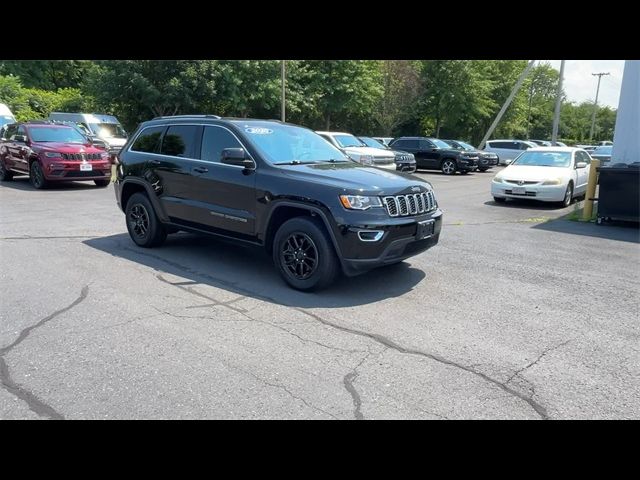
x=50 y=153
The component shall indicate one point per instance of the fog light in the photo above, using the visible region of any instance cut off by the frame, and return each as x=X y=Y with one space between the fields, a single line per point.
x=370 y=235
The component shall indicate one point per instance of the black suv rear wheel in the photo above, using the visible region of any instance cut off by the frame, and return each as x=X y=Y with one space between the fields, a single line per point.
x=5 y=175
x=144 y=227
x=304 y=255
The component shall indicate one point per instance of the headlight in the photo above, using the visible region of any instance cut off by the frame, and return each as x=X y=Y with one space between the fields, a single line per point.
x=53 y=154
x=105 y=156
x=359 y=202
x=498 y=179
x=553 y=181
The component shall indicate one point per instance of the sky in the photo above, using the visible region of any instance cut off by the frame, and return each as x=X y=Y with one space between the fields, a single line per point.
x=579 y=85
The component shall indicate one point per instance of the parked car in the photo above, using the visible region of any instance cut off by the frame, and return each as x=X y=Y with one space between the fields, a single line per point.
x=434 y=154
x=558 y=144
x=276 y=185
x=51 y=153
x=602 y=153
x=405 y=161
x=588 y=148
x=6 y=116
x=94 y=139
x=541 y=143
x=548 y=174
x=359 y=151
x=486 y=160
x=384 y=140
x=105 y=127
x=507 y=150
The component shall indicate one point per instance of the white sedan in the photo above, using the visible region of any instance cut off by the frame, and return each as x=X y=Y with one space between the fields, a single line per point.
x=548 y=174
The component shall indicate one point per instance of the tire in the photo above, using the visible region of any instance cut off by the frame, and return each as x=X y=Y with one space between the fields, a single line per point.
x=464 y=172
x=295 y=243
x=482 y=169
x=568 y=195
x=102 y=183
x=5 y=175
x=448 y=166
x=142 y=222
x=36 y=176
x=499 y=199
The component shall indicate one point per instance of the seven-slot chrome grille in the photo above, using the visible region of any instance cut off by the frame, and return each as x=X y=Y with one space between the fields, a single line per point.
x=81 y=156
x=412 y=204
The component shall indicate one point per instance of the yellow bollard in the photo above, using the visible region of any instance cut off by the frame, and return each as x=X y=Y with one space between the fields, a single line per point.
x=591 y=190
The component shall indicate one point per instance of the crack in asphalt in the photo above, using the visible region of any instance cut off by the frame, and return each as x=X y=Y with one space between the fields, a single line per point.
x=348 y=380
x=250 y=318
x=33 y=402
x=537 y=407
x=528 y=366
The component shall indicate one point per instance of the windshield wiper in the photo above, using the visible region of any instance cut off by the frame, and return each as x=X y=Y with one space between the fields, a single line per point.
x=293 y=162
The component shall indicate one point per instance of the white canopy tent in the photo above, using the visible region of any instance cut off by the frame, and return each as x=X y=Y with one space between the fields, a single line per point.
x=626 y=138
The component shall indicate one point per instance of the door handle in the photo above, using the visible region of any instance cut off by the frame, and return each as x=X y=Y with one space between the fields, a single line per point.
x=201 y=169
x=155 y=162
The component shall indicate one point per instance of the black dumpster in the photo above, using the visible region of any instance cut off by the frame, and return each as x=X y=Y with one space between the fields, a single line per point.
x=619 y=192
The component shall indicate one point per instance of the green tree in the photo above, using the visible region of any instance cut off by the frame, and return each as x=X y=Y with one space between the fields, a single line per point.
x=402 y=87
x=48 y=74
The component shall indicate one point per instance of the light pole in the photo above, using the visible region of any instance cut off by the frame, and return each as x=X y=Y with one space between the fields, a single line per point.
x=556 y=114
x=283 y=88
x=595 y=104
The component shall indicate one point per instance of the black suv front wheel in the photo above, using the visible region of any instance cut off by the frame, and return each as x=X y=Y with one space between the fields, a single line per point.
x=448 y=166
x=304 y=255
x=144 y=227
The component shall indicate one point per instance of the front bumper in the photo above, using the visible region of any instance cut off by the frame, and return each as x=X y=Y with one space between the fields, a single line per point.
x=62 y=170
x=408 y=167
x=467 y=164
x=544 y=193
x=487 y=162
x=398 y=242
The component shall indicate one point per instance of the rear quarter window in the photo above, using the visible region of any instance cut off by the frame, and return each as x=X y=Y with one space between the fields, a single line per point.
x=149 y=140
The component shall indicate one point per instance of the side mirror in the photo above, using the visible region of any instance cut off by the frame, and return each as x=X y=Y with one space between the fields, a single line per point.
x=20 y=138
x=581 y=165
x=236 y=156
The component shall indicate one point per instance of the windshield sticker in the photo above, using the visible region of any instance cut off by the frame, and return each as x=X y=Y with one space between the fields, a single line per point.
x=258 y=130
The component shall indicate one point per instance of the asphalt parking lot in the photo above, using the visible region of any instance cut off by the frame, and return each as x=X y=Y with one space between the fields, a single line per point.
x=516 y=314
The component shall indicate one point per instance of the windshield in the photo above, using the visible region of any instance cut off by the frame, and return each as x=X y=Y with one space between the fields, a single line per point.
x=439 y=143
x=370 y=142
x=286 y=143
x=462 y=145
x=56 y=134
x=4 y=119
x=108 y=130
x=602 y=151
x=544 y=159
x=348 y=141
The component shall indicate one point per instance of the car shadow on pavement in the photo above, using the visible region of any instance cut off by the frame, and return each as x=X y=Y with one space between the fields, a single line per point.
x=528 y=204
x=248 y=270
x=22 y=183
x=617 y=230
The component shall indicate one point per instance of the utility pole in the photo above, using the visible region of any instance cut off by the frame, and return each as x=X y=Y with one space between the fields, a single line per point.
x=533 y=79
x=515 y=89
x=283 y=89
x=595 y=104
x=556 y=114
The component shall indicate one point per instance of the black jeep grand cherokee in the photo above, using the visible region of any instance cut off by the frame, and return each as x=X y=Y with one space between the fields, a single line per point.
x=272 y=184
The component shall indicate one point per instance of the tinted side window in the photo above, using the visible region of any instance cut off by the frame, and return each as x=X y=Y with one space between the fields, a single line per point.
x=500 y=145
x=522 y=145
x=180 y=141
x=406 y=144
x=426 y=144
x=149 y=140
x=214 y=140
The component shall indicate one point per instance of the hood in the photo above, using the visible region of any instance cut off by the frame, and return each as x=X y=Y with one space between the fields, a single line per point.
x=355 y=178
x=67 y=147
x=374 y=152
x=531 y=173
x=114 y=141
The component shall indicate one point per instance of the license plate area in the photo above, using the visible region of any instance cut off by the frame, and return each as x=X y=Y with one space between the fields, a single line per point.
x=425 y=229
x=86 y=167
x=518 y=191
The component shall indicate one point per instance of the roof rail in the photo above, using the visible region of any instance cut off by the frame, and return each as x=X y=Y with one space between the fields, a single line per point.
x=187 y=116
x=39 y=121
